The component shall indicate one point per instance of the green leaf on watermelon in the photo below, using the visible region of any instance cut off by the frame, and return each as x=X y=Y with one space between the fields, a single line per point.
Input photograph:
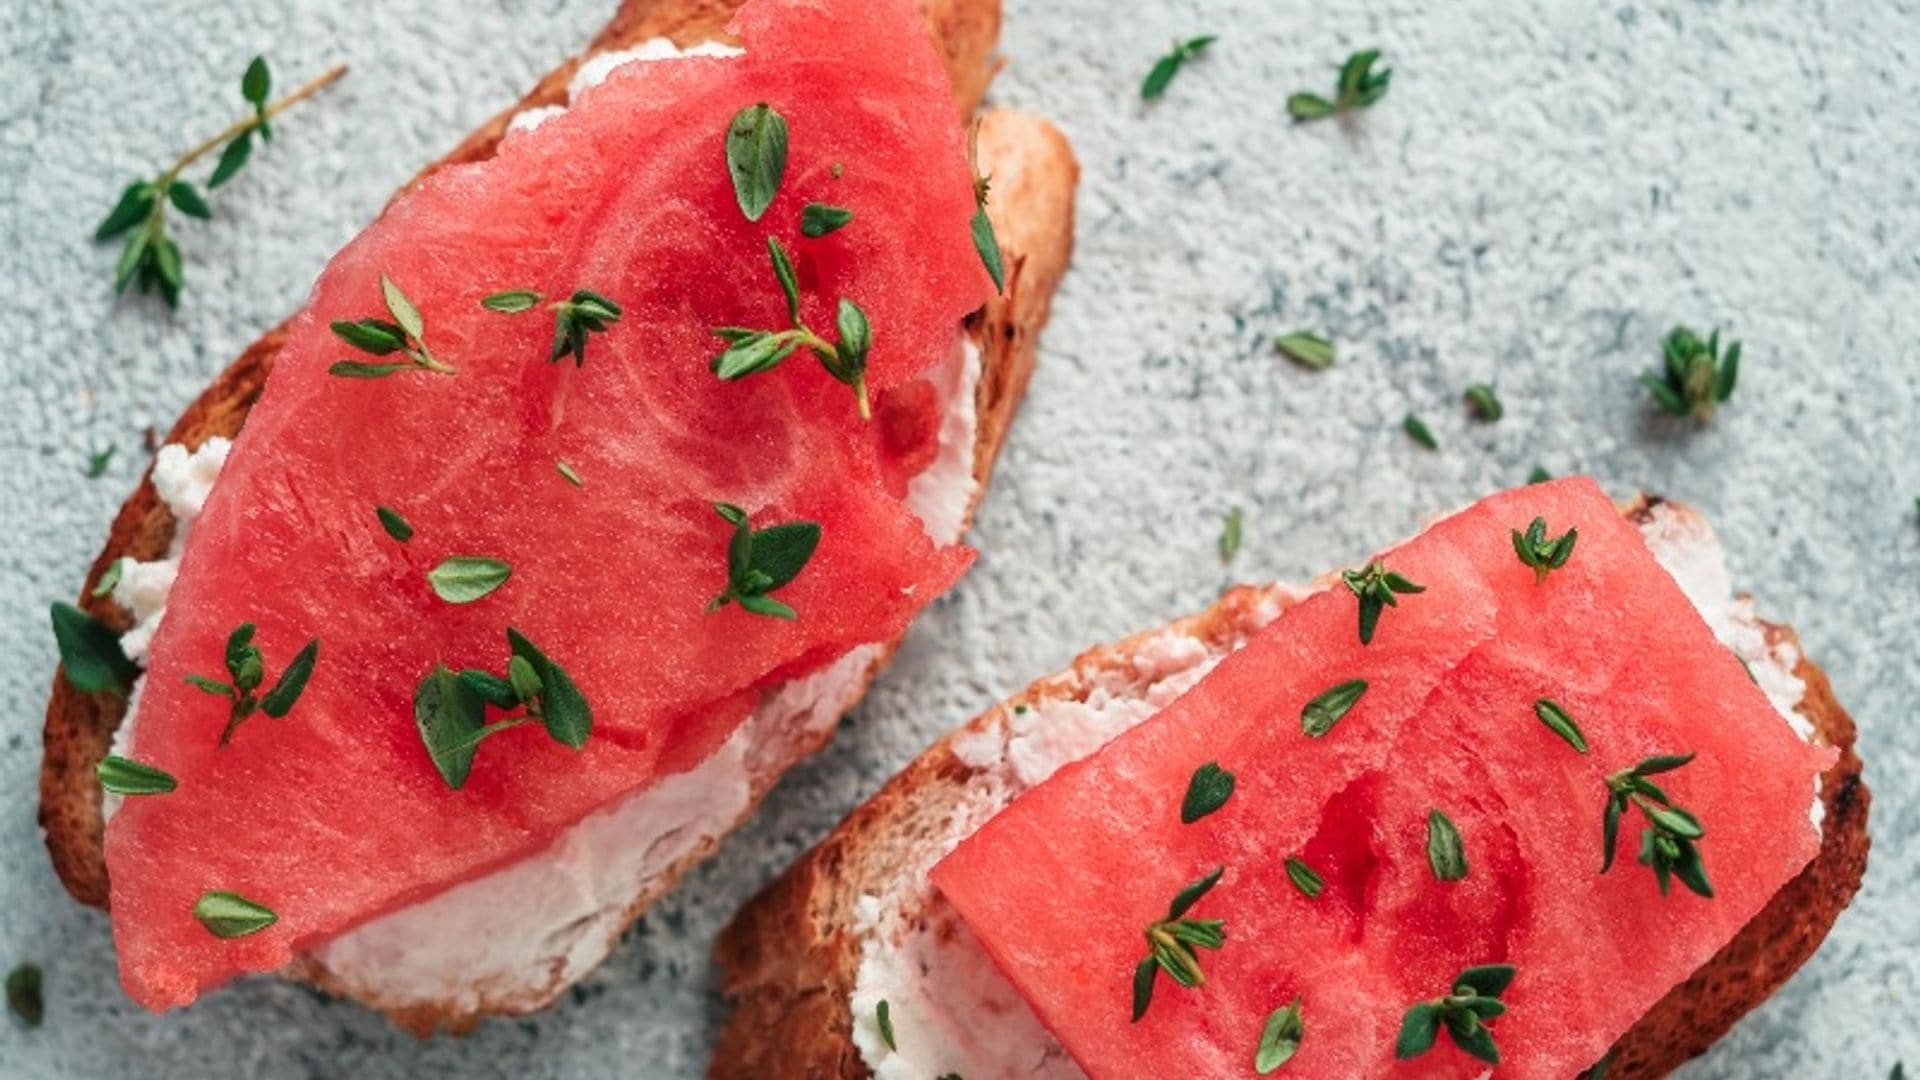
x=211 y=686
x=230 y=915
x=1325 y=710
x=756 y=157
x=492 y=689
x=560 y=704
x=1184 y=900
x=402 y=309
x=354 y=369
x=1304 y=878
x=818 y=219
x=462 y=579
x=1208 y=790
x=395 y=525
x=287 y=689
x=1535 y=550
x=450 y=716
x=244 y=661
x=125 y=776
x=1279 y=1038
x=511 y=302
x=988 y=245
x=1555 y=717
x=1446 y=855
x=1418 y=1030
x=1143 y=978
x=375 y=337
x=1463 y=1012
x=90 y=654
x=762 y=560
x=566 y=473
x=789 y=279
x=1377 y=589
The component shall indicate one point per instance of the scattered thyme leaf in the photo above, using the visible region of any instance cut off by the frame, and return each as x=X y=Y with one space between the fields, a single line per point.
x=1308 y=349
x=125 y=776
x=379 y=337
x=1417 y=430
x=1446 y=855
x=1279 y=1038
x=1539 y=475
x=883 y=1016
x=984 y=241
x=462 y=579
x=1327 y=707
x=395 y=525
x=817 y=219
x=1230 y=535
x=1484 y=403
x=98 y=461
x=1208 y=790
x=1463 y=1012
x=1304 y=878
x=1560 y=723
x=90 y=654
x=1541 y=554
x=566 y=473
x=575 y=319
x=756 y=157
x=1376 y=587
x=230 y=915
x=149 y=257
x=1358 y=87
x=1165 y=68
x=750 y=351
x=1695 y=376
x=449 y=708
x=25 y=996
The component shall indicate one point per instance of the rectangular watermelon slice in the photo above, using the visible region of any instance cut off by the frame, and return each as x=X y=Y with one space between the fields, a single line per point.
x=1410 y=876
x=327 y=811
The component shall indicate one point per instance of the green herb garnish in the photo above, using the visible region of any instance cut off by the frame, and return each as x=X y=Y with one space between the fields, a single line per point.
x=883 y=1016
x=585 y=312
x=378 y=337
x=762 y=560
x=1667 y=845
x=230 y=915
x=1359 y=87
x=1165 y=68
x=1327 y=707
x=1464 y=1012
x=1540 y=553
x=1539 y=475
x=24 y=996
x=98 y=461
x=395 y=525
x=450 y=709
x=247 y=667
x=566 y=473
x=1446 y=855
x=1377 y=587
x=1555 y=717
x=462 y=579
x=1208 y=791
x=756 y=157
x=1484 y=403
x=125 y=776
x=984 y=240
x=1695 y=377
x=1279 y=1038
x=90 y=652
x=150 y=257
x=1171 y=943
x=1305 y=878
x=1230 y=531
x=817 y=219
x=1309 y=350
x=1418 y=431
x=750 y=352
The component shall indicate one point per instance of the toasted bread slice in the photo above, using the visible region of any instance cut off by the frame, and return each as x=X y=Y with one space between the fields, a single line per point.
x=1034 y=175
x=793 y=957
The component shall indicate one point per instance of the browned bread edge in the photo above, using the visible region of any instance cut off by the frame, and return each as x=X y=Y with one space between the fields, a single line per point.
x=790 y=958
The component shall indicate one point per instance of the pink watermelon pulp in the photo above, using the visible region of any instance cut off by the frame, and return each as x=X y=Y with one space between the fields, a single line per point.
x=1060 y=886
x=335 y=814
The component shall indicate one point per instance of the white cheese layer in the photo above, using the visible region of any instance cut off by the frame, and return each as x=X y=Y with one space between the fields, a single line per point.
x=453 y=950
x=594 y=70
x=951 y=1009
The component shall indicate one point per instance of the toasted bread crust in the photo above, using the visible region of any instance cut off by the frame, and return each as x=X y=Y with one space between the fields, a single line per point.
x=1032 y=211
x=790 y=958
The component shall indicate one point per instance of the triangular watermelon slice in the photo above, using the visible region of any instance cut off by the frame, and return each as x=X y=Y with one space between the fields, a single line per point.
x=1061 y=886
x=335 y=814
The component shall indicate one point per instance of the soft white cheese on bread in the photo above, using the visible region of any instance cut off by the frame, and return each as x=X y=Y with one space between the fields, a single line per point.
x=950 y=1008
x=452 y=951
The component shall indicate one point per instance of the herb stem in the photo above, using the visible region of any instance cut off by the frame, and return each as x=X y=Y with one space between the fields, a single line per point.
x=241 y=127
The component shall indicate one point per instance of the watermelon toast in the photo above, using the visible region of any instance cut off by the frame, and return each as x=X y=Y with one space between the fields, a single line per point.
x=983 y=914
x=685 y=568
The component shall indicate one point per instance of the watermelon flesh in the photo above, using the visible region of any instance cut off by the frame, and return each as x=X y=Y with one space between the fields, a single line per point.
x=335 y=814
x=1059 y=886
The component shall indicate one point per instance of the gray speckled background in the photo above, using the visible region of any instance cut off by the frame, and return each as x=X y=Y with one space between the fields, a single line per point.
x=1547 y=188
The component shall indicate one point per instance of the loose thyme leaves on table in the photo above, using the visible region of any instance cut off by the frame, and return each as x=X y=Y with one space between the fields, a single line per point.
x=1695 y=376
x=1358 y=87
x=1165 y=68
x=150 y=258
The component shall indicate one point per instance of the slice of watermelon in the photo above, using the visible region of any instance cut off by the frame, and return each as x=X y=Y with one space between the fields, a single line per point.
x=1060 y=886
x=335 y=813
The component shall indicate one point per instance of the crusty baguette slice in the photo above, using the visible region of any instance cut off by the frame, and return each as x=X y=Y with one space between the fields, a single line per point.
x=1035 y=175
x=791 y=957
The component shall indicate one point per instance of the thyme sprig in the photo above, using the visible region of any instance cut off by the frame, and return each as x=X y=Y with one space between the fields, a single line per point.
x=150 y=257
x=1377 y=587
x=405 y=334
x=1464 y=1012
x=750 y=351
x=1359 y=86
x=450 y=709
x=1171 y=943
x=247 y=667
x=1668 y=845
x=1695 y=377
x=1164 y=69
x=762 y=560
x=585 y=312
x=1541 y=554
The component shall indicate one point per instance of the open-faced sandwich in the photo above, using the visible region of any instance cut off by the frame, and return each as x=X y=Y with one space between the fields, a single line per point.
x=589 y=489
x=1533 y=789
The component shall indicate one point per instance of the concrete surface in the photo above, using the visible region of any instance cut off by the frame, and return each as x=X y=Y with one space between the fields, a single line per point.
x=1547 y=188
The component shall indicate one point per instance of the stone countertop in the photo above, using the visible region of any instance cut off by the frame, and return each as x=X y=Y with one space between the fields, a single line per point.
x=1546 y=189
